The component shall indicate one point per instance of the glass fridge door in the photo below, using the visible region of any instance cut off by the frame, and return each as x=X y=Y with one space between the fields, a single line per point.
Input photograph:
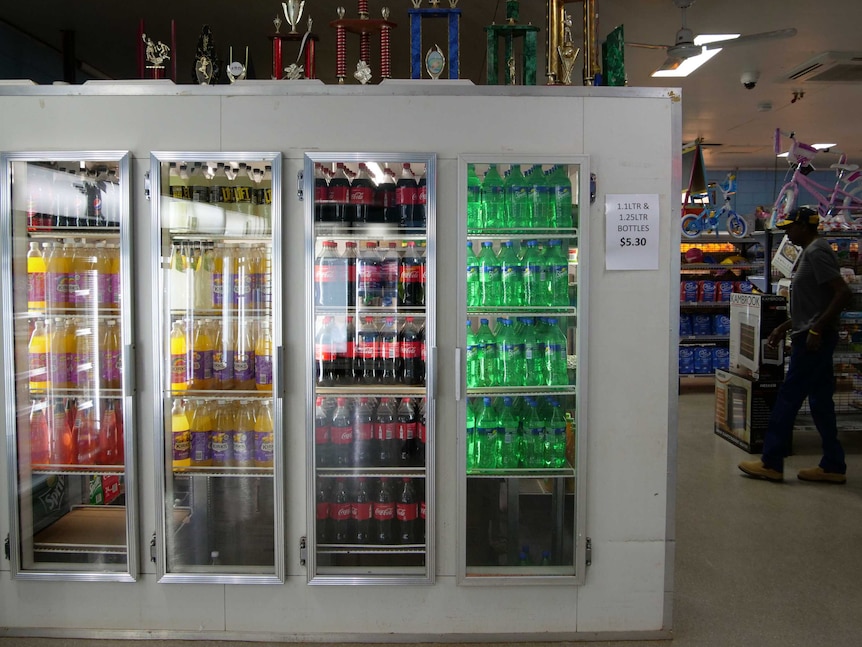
x=67 y=343
x=521 y=419
x=217 y=232
x=371 y=340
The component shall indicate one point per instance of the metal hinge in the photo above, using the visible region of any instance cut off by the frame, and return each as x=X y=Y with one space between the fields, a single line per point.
x=303 y=550
x=300 y=176
x=7 y=549
x=153 y=549
x=589 y=552
x=593 y=181
x=147 y=185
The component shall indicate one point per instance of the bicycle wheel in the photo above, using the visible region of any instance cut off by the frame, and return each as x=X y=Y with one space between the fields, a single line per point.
x=690 y=226
x=736 y=225
x=782 y=207
x=851 y=207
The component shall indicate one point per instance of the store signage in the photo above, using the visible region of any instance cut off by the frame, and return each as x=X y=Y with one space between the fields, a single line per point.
x=632 y=231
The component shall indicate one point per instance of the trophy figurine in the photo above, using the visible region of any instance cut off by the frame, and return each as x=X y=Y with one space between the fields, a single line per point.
x=293 y=12
x=363 y=72
x=435 y=62
x=567 y=51
x=156 y=55
x=207 y=67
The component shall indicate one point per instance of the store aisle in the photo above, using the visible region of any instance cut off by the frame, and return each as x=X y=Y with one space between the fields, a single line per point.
x=757 y=563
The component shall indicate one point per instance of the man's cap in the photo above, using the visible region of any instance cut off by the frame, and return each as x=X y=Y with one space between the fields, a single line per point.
x=800 y=214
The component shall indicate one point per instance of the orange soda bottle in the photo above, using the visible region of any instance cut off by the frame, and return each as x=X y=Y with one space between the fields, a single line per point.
x=224 y=354
x=263 y=358
x=40 y=439
x=179 y=357
x=243 y=435
x=202 y=357
x=222 y=435
x=111 y=357
x=87 y=434
x=37 y=351
x=201 y=435
x=63 y=447
x=36 y=272
x=109 y=438
x=243 y=366
x=264 y=440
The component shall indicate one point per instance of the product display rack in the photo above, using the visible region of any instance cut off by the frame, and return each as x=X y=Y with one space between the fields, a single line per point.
x=70 y=427
x=371 y=351
x=521 y=517
x=216 y=230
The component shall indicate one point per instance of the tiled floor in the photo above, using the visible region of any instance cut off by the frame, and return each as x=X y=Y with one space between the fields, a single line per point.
x=757 y=563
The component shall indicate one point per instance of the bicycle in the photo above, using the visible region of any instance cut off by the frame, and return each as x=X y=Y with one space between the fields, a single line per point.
x=840 y=207
x=708 y=219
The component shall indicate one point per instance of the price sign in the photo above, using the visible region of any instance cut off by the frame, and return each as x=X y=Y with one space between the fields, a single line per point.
x=632 y=231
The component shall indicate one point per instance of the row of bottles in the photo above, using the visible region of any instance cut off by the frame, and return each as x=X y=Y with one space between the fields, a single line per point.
x=371 y=276
x=382 y=511
x=369 y=432
x=535 y=199
x=221 y=354
x=63 y=198
x=538 y=276
x=221 y=433
x=73 y=275
x=69 y=431
x=378 y=351
x=516 y=433
x=234 y=186
x=74 y=353
x=347 y=198
x=220 y=276
x=523 y=352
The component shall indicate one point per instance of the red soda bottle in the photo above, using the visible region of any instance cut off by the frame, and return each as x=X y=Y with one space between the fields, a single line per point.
x=407 y=513
x=363 y=433
x=406 y=196
x=341 y=434
x=340 y=512
x=383 y=512
x=40 y=437
x=360 y=513
x=408 y=453
x=323 y=522
x=386 y=445
x=339 y=195
x=322 y=437
x=411 y=286
x=411 y=342
x=362 y=196
x=87 y=434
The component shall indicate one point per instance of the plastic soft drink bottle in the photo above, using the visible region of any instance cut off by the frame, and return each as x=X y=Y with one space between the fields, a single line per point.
x=387 y=447
x=111 y=357
x=419 y=211
x=323 y=211
x=86 y=434
x=362 y=197
x=40 y=437
x=389 y=356
x=534 y=359
x=390 y=266
x=493 y=199
x=360 y=513
x=556 y=432
x=36 y=272
x=200 y=431
x=264 y=440
x=325 y=352
x=534 y=438
x=341 y=511
x=511 y=276
x=556 y=365
x=341 y=434
x=535 y=280
x=263 y=358
x=384 y=197
x=179 y=357
x=330 y=276
x=474 y=198
x=472 y=358
x=557 y=268
x=339 y=195
x=421 y=431
x=383 y=513
x=322 y=438
x=540 y=198
x=104 y=277
x=322 y=521
x=57 y=365
x=470 y=433
x=224 y=351
x=485 y=449
x=520 y=207
x=411 y=277
x=410 y=342
x=243 y=366
x=369 y=285
x=85 y=375
x=474 y=287
x=37 y=350
x=224 y=427
x=508 y=437
x=57 y=277
x=363 y=434
x=408 y=454
x=407 y=513
x=511 y=353
x=488 y=355
x=202 y=357
x=243 y=435
x=368 y=350
x=561 y=188
x=110 y=437
x=180 y=435
x=406 y=197
x=489 y=276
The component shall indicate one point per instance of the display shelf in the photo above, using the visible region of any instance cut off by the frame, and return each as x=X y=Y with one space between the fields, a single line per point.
x=522 y=311
x=383 y=549
x=371 y=472
x=570 y=235
x=187 y=235
x=86 y=530
x=480 y=391
x=368 y=232
x=224 y=471
x=524 y=473
x=694 y=339
x=705 y=305
x=104 y=233
x=78 y=470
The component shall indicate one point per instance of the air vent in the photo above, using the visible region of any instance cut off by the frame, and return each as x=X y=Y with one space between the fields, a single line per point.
x=828 y=67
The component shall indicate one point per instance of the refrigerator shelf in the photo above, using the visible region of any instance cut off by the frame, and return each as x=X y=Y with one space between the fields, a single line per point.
x=366 y=549
x=370 y=231
x=98 y=393
x=224 y=471
x=523 y=473
x=527 y=234
x=415 y=311
x=373 y=472
x=566 y=389
x=89 y=313
x=188 y=235
x=213 y=394
x=522 y=311
x=80 y=470
x=106 y=232
x=86 y=529
x=372 y=390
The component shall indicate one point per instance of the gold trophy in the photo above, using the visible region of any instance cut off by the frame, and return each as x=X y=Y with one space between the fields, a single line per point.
x=293 y=13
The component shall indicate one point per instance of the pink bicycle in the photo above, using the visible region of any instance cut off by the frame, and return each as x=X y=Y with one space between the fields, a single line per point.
x=839 y=206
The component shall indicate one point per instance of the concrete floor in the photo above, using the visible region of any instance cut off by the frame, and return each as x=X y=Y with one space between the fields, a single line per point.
x=757 y=563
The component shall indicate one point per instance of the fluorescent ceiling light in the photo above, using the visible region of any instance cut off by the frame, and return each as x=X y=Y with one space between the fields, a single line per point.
x=820 y=147
x=690 y=64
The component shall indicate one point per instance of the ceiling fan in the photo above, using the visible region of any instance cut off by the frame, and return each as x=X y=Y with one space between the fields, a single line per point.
x=686 y=48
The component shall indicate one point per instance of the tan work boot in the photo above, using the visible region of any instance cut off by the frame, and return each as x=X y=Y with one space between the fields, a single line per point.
x=819 y=475
x=756 y=469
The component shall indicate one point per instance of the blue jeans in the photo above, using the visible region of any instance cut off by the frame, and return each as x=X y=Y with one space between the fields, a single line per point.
x=809 y=374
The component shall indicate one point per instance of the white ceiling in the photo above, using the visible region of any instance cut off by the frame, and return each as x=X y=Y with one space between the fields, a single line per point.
x=716 y=107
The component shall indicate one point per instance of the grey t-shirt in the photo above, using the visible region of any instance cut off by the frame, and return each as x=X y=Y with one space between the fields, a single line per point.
x=809 y=296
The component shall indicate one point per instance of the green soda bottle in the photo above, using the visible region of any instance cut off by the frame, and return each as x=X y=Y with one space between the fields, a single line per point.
x=511 y=364
x=474 y=199
x=561 y=190
x=542 y=209
x=508 y=437
x=534 y=438
x=511 y=276
x=488 y=358
x=486 y=436
x=518 y=199
x=493 y=199
x=557 y=271
x=556 y=433
x=472 y=357
x=533 y=374
x=535 y=284
x=474 y=288
x=491 y=288
x=471 y=436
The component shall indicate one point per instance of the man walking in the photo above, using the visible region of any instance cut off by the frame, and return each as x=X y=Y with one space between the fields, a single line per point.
x=818 y=294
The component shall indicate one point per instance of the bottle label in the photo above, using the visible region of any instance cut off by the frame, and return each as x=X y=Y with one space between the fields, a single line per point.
x=223 y=361
x=242 y=194
x=57 y=369
x=179 y=369
x=263 y=447
x=389 y=348
x=322 y=511
x=181 y=442
x=422 y=194
x=222 y=447
x=384 y=511
x=406 y=511
x=36 y=289
x=340 y=511
x=360 y=511
x=38 y=364
x=325 y=352
x=364 y=431
x=321 y=434
x=410 y=349
x=412 y=273
x=243 y=448
x=263 y=369
x=218 y=289
x=367 y=346
x=362 y=195
x=202 y=364
x=330 y=272
x=106 y=288
x=420 y=432
x=339 y=194
x=406 y=430
x=243 y=367
x=406 y=194
x=200 y=447
x=385 y=430
x=422 y=510
x=341 y=435
x=321 y=193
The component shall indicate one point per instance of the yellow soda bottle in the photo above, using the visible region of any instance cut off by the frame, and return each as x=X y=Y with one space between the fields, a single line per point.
x=202 y=357
x=243 y=366
x=37 y=351
x=82 y=287
x=36 y=272
x=263 y=436
x=201 y=435
x=70 y=329
x=180 y=435
x=179 y=358
x=263 y=358
x=223 y=355
x=222 y=435
x=243 y=435
x=103 y=296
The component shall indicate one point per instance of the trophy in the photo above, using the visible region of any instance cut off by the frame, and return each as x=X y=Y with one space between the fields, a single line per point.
x=567 y=51
x=156 y=53
x=364 y=26
x=452 y=15
x=207 y=66
x=509 y=31
x=237 y=71
x=293 y=12
x=435 y=62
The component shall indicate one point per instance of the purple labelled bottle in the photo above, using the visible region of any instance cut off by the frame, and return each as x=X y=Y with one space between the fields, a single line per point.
x=243 y=366
x=224 y=427
x=243 y=436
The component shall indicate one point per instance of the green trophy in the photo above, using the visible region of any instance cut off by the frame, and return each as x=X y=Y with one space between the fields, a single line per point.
x=510 y=31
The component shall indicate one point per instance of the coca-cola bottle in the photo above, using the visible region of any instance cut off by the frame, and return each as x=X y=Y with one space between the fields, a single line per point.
x=421 y=433
x=341 y=514
x=322 y=437
x=384 y=199
x=323 y=523
x=386 y=445
x=411 y=286
x=406 y=196
x=325 y=353
x=407 y=514
x=362 y=196
x=341 y=434
x=330 y=276
x=390 y=266
x=349 y=257
x=339 y=195
x=408 y=449
x=422 y=497
x=347 y=354
x=389 y=352
x=383 y=512
x=410 y=348
x=323 y=211
x=367 y=350
x=361 y=513
x=419 y=210
x=363 y=433
x=368 y=278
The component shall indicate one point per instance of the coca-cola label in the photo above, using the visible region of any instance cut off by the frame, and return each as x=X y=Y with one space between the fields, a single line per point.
x=422 y=194
x=360 y=511
x=420 y=432
x=406 y=511
x=330 y=272
x=321 y=434
x=406 y=430
x=326 y=352
x=410 y=349
x=406 y=194
x=361 y=195
x=341 y=435
x=411 y=273
x=340 y=511
x=321 y=193
x=323 y=511
x=389 y=348
x=422 y=510
x=385 y=430
x=364 y=431
x=339 y=193
x=367 y=347
x=384 y=511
